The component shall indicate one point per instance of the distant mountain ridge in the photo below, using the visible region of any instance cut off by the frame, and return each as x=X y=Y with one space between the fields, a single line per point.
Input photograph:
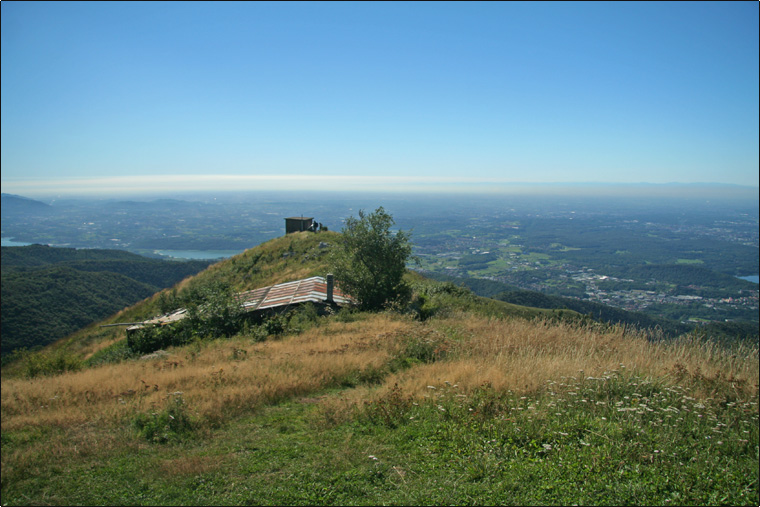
x=10 y=203
x=34 y=256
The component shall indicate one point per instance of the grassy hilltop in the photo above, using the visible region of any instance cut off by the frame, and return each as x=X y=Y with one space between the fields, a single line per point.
x=454 y=399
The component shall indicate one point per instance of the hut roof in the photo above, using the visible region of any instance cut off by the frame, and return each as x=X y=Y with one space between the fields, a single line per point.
x=312 y=289
x=307 y=290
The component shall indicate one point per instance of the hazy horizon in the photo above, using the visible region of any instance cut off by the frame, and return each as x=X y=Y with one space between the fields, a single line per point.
x=692 y=191
x=111 y=97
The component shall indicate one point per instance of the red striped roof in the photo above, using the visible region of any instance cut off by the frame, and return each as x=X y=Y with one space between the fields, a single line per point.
x=312 y=289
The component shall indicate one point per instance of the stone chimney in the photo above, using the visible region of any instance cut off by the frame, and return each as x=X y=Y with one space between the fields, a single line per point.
x=330 y=284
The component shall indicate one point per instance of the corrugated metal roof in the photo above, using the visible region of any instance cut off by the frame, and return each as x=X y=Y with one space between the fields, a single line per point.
x=312 y=290
x=169 y=317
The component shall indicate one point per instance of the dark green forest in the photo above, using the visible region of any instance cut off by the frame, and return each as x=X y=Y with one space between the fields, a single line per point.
x=154 y=272
x=48 y=293
x=708 y=283
x=34 y=256
x=609 y=248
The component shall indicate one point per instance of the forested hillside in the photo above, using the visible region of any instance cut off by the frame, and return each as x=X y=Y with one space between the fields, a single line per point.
x=154 y=272
x=48 y=293
x=43 y=255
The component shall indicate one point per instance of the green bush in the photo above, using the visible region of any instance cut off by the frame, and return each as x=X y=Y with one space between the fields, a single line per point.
x=426 y=347
x=212 y=312
x=390 y=410
x=303 y=318
x=52 y=363
x=437 y=298
x=347 y=314
x=116 y=353
x=152 y=338
x=170 y=425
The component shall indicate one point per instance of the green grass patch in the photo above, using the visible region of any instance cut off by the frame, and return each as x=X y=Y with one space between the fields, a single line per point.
x=171 y=424
x=611 y=440
x=535 y=256
x=689 y=261
x=562 y=248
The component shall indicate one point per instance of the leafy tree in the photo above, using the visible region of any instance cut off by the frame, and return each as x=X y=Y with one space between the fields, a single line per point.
x=212 y=310
x=369 y=260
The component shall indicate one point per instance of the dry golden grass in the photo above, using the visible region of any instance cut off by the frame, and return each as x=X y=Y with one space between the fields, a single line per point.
x=522 y=356
x=230 y=377
x=190 y=466
x=217 y=381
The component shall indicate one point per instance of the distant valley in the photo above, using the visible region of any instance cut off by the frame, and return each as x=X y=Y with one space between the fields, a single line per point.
x=671 y=258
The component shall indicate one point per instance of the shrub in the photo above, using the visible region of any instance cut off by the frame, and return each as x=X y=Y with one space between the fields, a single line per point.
x=152 y=338
x=426 y=347
x=53 y=363
x=171 y=424
x=390 y=410
x=119 y=351
x=212 y=312
x=369 y=260
x=303 y=318
x=435 y=299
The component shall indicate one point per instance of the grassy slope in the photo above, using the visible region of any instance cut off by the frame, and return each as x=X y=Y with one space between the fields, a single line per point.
x=601 y=312
x=473 y=405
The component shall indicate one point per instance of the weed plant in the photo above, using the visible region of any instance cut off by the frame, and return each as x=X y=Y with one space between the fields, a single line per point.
x=174 y=423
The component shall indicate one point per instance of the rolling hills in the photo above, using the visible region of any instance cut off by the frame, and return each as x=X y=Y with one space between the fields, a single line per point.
x=452 y=399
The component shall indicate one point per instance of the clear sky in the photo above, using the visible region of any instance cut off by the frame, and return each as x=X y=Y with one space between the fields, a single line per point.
x=109 y=96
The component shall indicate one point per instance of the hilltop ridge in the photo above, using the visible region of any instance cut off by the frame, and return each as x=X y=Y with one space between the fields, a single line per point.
x=452 y=399
x=287 y=258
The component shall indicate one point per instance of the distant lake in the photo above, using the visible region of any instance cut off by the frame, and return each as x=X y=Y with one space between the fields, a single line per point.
x=198 y=254
x=8 y=242
x=751 y=278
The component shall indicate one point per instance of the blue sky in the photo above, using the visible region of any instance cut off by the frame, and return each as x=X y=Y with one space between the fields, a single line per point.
x=105 y=97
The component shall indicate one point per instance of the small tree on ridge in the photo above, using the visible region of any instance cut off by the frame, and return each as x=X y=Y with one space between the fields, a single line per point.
x=369 y=260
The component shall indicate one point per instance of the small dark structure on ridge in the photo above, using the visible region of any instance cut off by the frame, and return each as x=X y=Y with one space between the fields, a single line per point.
x=298 y=224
